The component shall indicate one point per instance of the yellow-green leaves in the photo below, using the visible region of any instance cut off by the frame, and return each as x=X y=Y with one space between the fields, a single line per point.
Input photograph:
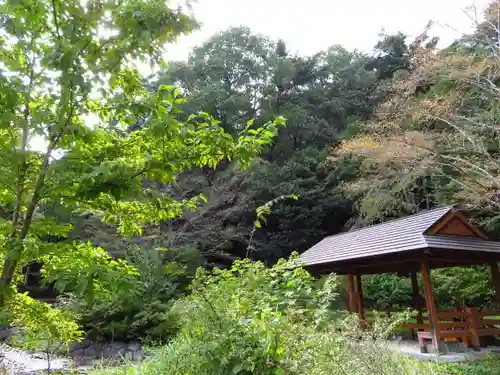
x=84 y=269
x=104 y=172
x=44 y=326
x=245 y=317
x=80 y=130
x=266 y=209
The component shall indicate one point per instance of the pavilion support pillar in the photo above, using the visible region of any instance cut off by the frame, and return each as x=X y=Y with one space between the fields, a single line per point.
x=359 y=297
x=351 y=292
x=431 y=305
x=495 y=278
x=415 y=294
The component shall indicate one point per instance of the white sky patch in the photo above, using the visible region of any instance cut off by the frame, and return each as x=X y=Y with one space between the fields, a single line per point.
x=311 y=26
x=314 y=25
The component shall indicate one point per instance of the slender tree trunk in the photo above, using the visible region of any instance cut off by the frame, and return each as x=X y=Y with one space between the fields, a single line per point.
x=13 y=246
x=15 y=251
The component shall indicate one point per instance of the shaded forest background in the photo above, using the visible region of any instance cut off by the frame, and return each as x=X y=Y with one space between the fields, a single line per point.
x=369 y=137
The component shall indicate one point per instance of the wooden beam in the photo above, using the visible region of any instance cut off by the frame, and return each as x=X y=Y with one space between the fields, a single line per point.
x=351 y=292
x=495 y=278
x=359 y=297
x=414 y=285
x=434 y=228
x=431 y=304
x=413 y=261
x=406 y=261
x=442 y=258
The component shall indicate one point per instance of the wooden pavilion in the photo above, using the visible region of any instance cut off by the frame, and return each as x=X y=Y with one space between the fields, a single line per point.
x=437 y=238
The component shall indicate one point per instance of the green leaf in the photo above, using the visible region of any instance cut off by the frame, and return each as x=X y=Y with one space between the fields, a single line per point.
x=237 y=368
x=203 y=198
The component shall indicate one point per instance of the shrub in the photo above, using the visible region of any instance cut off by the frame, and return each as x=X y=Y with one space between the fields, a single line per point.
x=453 y=286
x=253 y=320
x=241 y=320
x=142 y=311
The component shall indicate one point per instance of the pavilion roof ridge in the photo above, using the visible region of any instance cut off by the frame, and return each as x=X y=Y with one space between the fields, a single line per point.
x=409 y=233
x=446 y=209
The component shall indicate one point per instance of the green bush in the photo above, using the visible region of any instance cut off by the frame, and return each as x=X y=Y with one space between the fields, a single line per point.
x=142 y=312
x=242 y=320
x=253 y=320
x=453 y=286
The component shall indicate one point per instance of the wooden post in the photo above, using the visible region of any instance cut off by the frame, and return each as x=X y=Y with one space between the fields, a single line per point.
x=495 y=278
x=431 y=304
x=351 y=292
x=415 y=293
x=415 y=302
x=472 y=321
x=359 y=296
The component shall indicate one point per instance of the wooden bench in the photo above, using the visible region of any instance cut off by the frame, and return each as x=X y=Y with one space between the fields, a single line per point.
x=425 y=337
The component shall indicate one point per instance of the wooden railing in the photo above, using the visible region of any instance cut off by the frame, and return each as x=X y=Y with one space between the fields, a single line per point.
x=483 y=324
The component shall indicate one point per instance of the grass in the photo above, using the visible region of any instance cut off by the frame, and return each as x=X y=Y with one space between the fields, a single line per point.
x=482 y=367
x=488 y=366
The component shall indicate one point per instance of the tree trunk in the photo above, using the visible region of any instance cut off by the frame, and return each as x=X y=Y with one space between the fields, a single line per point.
x=14 y=252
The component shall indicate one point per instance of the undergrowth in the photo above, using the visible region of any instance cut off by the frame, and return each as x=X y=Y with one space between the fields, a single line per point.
x=254 y=320
x=489 y=366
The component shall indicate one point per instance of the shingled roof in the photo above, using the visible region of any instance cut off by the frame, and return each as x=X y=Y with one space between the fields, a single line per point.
x=395 y=236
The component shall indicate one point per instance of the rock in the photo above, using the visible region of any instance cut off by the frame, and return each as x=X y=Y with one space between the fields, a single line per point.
x=119 y=345
x=94 y=350
x=107 y=350
x=20 y=362
x=78 y=353
x=78 y=346
x=121 y=354
x=443 y=348
x=129 y=356
x=138 y=354
x=134 y=346
x=6 y=333
x=456 y=347
x=116 y=350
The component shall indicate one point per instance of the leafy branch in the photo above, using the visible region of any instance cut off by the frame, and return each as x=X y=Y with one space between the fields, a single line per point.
x=261 y=213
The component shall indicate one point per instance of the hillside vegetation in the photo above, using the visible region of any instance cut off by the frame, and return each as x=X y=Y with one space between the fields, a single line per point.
x=166 y=209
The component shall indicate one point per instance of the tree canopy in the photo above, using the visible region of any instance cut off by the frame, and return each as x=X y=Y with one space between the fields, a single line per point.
x=70 y=90
x=98 y=160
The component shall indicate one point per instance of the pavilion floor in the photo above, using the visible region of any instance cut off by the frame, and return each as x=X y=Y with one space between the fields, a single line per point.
x=412 y=349
x=468 y=326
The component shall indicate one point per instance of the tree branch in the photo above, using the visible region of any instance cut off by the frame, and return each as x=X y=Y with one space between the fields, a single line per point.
x=26 y=7
x=23 y=166
x=54 y=16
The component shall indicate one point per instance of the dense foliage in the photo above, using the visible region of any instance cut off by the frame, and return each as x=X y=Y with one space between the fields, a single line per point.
x=434 y=138
x=489 y=366
x=251 y=319
x=141 y=312
x=69 y=91
x=236 y=75
x=368 y=138
x=121 y=186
